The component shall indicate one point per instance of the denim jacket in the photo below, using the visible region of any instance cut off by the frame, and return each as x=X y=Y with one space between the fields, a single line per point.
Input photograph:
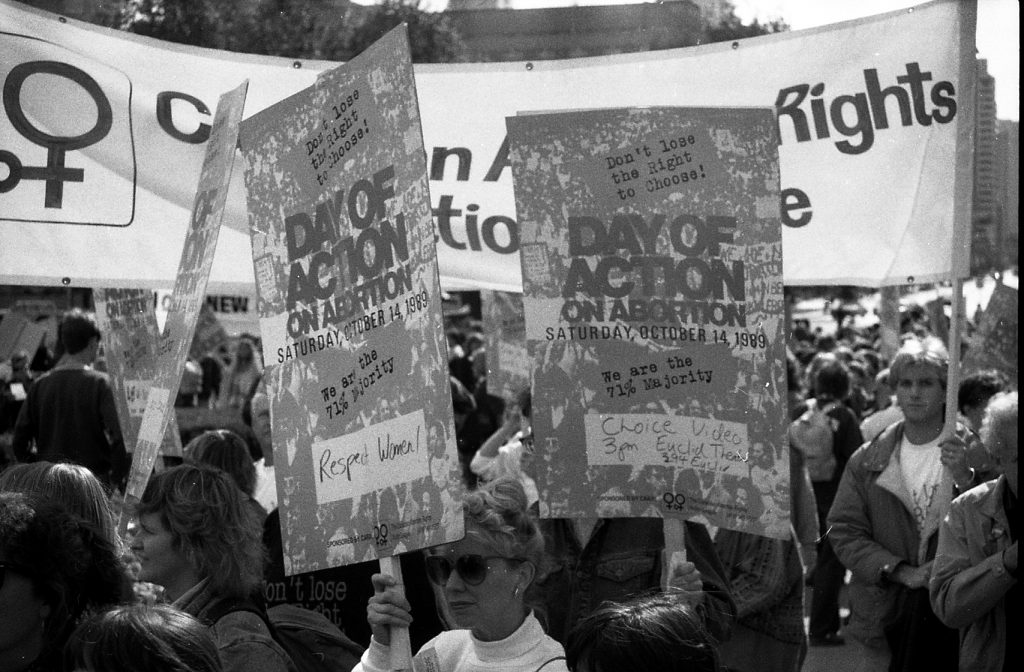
x=243 y=640
x=621 y=560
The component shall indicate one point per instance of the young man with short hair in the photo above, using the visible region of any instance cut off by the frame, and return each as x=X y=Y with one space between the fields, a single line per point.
x=885 y=518
x=69 y=413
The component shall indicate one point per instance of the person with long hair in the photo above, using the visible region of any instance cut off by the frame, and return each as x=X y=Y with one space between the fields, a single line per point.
x=198 y=539
x=484 y=583
x=133 y=638
x=242 y=375
x=54 y=569
x=72 y=485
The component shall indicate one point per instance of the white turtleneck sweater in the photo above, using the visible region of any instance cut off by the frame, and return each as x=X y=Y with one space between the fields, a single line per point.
x=525 y=650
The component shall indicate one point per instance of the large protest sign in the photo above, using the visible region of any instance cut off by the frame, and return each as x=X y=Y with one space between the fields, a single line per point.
x=652 y=271
x=509 y=366
x=190 y=285
x=350 y=313
x=131 y=339
x=18 y=333
x=994 y=345
x=875 y=119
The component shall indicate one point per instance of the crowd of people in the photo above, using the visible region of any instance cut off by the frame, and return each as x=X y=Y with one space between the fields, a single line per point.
x=912 y=528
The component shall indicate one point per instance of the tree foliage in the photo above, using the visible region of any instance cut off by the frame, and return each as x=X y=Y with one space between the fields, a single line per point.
x=199 y=23
x=731 y=27
x=431 y=37
x=314 y=29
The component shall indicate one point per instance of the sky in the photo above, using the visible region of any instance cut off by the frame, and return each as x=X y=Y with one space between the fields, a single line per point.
x=998 y=33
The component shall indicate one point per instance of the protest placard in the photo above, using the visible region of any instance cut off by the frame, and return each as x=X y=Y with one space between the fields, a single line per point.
x=508 y=363
x=350 y=313
x=994 y=345
x=127 y=319
x=18 y=333
x=189 y=287
x=652 y=275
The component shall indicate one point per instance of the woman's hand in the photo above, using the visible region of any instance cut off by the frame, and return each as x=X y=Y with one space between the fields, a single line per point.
x=387 y=608
x=686 y=579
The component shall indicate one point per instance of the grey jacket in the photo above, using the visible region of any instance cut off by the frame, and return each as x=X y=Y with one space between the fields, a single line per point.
x=969 y=581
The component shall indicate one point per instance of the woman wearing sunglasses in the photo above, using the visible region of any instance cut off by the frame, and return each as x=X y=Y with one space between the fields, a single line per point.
x=484 y=582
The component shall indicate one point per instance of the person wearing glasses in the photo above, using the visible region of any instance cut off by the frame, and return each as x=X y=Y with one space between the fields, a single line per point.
x=484 y=582
x=54 y=569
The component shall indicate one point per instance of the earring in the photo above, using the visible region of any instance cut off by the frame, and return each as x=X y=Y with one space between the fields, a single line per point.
x=515 y=593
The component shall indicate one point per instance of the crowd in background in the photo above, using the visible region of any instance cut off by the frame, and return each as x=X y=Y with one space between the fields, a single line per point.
x=927 y=583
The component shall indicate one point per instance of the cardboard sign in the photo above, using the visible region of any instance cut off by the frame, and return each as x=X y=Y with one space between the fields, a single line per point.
x=190 y=286
x=509 y=366
x=652 y=275
x=18 y=333
x=350 y=313
x=128 y=321
x=994 y=344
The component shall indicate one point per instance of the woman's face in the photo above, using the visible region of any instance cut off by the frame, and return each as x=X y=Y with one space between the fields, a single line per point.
x=22 y=615
x=244 y=351
x=161 y=563
x=492 y=609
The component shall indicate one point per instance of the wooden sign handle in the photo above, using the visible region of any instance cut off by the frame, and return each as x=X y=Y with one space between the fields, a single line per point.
x=674 y=553
x=401 y=649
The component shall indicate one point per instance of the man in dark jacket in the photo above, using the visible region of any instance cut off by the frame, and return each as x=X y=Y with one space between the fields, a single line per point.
x=617 y=559
x=69 y=413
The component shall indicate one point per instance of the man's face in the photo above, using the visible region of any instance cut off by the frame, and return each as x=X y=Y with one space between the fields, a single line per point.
x=920 y=394
x=1006 y=457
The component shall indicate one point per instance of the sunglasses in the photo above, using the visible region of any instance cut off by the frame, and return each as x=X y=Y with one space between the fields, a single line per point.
x=4 y=566
x=472 y=568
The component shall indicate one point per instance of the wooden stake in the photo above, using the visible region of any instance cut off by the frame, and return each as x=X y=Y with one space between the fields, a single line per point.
x=401 y=649
x=674 y=553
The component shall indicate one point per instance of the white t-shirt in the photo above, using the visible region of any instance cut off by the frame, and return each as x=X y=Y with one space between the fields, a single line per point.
x=921 y=467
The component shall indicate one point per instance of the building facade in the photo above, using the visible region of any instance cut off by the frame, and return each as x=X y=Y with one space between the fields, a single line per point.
x=1007 y=188
x=984 y=213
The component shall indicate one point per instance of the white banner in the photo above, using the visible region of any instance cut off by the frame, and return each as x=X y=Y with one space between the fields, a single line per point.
x=102 y=136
